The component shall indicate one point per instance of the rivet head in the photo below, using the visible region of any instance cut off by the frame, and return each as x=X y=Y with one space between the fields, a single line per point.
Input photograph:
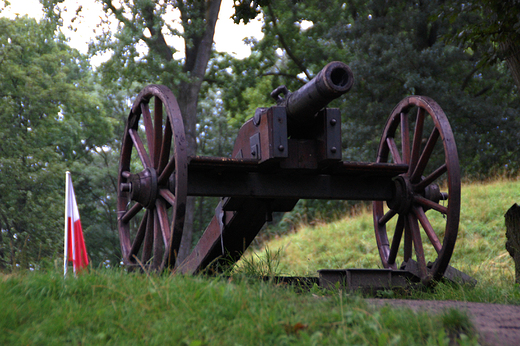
x=333 y=121
x=281 y=147
x=333 y=150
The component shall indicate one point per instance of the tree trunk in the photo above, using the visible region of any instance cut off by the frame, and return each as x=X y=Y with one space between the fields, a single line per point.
x=511 y=49
x=513 y=237
x=188 y=100
x=2 y=253
x=198 y=46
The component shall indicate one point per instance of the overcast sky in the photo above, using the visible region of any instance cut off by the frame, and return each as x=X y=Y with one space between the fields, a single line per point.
x=228 y=36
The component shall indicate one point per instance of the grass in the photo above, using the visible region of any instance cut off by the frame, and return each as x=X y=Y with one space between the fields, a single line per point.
x=479 y=252
x=113 y=307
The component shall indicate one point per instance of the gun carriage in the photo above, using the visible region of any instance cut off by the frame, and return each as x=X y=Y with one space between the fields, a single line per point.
x=284 y=153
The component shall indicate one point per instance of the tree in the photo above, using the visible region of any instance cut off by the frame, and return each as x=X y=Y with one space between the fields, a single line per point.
x=52 y=122
x=394 y=49
x=489 y=26
x=145 y=22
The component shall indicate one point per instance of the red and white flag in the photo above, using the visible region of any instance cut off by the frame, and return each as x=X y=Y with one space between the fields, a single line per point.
x=74 y=247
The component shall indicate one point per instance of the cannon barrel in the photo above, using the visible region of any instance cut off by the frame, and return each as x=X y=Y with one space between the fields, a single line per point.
x=331 y=82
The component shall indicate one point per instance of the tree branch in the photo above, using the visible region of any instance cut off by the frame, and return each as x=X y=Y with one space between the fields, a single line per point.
x=284 y=44
x=284 y=75
x=157 y=42
x=468 y=79
x=483 y=91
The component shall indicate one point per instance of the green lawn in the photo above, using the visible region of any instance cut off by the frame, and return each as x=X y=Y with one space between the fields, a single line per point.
x=113 y=307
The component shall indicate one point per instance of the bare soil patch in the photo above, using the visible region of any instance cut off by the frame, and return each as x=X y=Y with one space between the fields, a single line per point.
x=496 y=324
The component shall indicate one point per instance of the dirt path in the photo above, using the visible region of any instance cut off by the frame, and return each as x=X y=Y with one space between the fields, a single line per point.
x=497 y=324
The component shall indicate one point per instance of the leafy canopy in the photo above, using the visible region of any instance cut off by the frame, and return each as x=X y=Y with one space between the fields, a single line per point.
x=52 y=122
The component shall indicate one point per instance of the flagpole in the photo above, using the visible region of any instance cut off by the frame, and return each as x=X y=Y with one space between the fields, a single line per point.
x=66 y=237
x=72 y=227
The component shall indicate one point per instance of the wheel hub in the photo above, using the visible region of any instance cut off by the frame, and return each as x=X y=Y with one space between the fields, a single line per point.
x=433 y=193
x=142 y=187
x=403 y=195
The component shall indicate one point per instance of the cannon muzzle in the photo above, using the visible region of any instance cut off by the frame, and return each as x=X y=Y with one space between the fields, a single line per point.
x=331 y=82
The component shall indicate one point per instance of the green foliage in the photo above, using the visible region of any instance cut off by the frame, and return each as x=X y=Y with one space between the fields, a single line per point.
x=53 y=121
x=482 y=26
x=394 y=50
x=112 y=307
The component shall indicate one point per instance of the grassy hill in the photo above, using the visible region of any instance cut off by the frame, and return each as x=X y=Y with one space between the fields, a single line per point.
x=350 y=243
x=113 y=307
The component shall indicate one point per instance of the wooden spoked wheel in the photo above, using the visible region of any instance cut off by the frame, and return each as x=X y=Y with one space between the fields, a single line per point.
x=152 y=180
x=417 y=133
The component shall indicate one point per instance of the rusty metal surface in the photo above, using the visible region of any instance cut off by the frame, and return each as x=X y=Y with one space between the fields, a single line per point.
x=451 y=274
x=367 y=280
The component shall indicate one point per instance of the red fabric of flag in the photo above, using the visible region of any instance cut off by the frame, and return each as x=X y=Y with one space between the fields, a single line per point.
x=77 y=251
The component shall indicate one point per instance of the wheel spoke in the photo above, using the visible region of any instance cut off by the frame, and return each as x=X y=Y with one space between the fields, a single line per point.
x=387 y=217
x=166 y=146
x=148 y=239
x=163 y=221
x=405 y=138
x=167 y=195
x=393 y=150
x=158 y=140
x=417 y=243
x=431 y=178
x=168 y=170
x=148 y=127
x=396 y=240
x=380 y=228
x=141 y=151
x=158 y=241
x=425 y=156
x=417 y=139
x=138 y=241
x=428 y=229
x=407 y=240
x=430 y=204
x=126 y=217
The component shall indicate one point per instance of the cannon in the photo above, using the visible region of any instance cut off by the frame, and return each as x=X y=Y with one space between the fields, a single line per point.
x=286 y=152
